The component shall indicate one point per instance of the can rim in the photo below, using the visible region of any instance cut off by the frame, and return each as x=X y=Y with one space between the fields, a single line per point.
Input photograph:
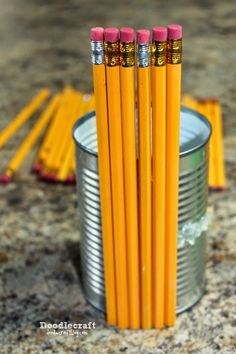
x=89 y=115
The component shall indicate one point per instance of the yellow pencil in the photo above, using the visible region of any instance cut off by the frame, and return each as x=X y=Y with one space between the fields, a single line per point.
x=117 y=176
x=159 y=38
x=201 y=107
x=174 y=58
x=63 y=172
x=99 y=80
x=144 y=119
x=217 y=125
x=50 y=137
x=31 y=139
x=76 y=111
x=127 y=62
x=59 y=135
x=189 y=102
x=213 y=158
x=23 y=116
x=80 y=108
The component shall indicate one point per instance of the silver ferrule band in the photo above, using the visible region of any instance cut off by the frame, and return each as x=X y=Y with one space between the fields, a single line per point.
x=97 y=52
x=143 y=57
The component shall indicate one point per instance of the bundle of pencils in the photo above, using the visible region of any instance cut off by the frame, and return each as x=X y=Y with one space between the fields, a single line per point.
x=56 y=157
x=138 y=181
x=211 y=109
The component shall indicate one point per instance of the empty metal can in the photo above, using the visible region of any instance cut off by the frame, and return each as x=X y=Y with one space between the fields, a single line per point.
x=195 y=133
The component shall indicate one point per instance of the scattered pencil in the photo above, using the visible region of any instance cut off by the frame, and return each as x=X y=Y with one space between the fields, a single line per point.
x=56 y=157
x=23 y=116
x=30 y=140
x=211 y=109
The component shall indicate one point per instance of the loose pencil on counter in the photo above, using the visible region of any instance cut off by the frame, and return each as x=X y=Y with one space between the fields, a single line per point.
x=174 y=59
x=51 y=160
x=217 y=126
x=77 y=108
x=51 y=135
x=23 y=116
x=117 y=176
x=83 y=104
x=31 y=139
x=207 y=112
x=127 y=63
x=211 y=109
x=62 y=168
x=189 y=102
x=144 y=127
x=104 y=165
x=158 y=85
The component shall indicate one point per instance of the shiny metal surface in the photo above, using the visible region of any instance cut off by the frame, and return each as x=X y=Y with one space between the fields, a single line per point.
x=193 y=189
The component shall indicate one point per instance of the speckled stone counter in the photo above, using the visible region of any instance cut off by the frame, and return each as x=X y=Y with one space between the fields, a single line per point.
x=47 y=45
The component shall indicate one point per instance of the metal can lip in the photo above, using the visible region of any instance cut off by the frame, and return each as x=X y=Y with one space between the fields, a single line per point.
x=206 y=139
x=183 y=153
x=76 y=126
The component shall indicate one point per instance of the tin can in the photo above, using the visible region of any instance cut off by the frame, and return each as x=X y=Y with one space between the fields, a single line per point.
x=195 y=133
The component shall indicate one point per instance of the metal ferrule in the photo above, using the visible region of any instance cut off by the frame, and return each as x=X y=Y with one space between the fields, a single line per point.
x=97 y=55
x=159 y=53
x=174 y=51
x=143 y=55
x=112 y=53
x=127 y=54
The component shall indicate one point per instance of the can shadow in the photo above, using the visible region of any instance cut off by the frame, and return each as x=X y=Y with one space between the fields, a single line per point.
x=74 y=252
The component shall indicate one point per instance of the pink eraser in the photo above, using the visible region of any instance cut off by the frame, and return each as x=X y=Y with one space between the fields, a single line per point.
x=174 y=32
x=71 y=179
x=127 y=34
x=49 y=177
x=97 y=34
x=43 y=175
x=220 y=189
x=159 y=34
x=37 y=167
x=4 y=179
x=143 y=36
x=111 y=34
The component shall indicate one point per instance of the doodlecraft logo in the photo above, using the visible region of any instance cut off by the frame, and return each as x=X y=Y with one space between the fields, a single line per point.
x=67 y=329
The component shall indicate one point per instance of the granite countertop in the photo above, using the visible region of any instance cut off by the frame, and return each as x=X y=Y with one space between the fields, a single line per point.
x=46 y=44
